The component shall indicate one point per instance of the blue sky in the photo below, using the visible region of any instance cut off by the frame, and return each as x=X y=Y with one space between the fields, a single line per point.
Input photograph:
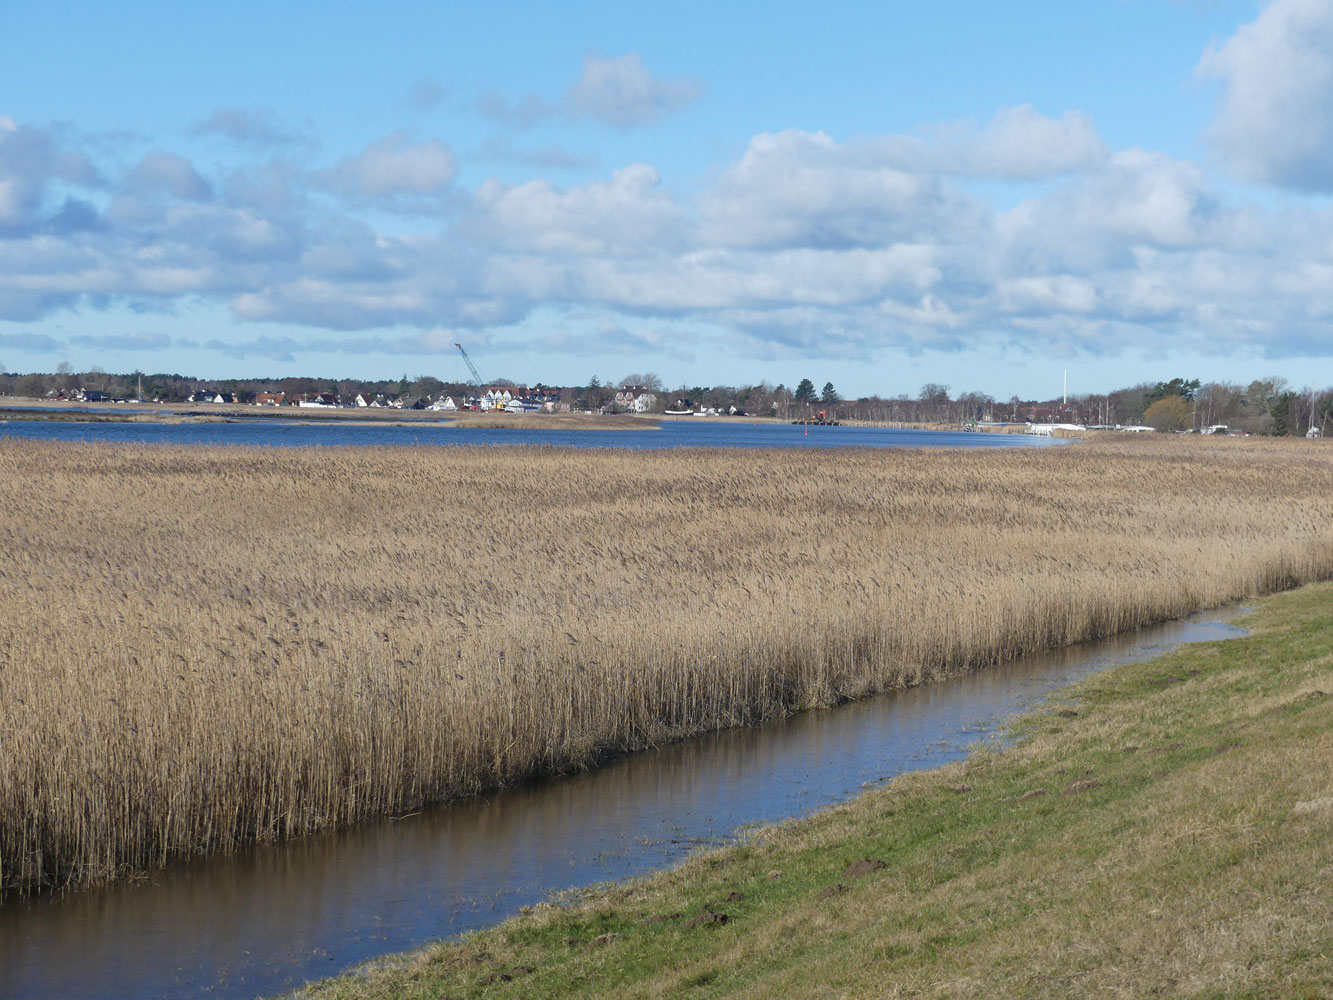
x=879 y=195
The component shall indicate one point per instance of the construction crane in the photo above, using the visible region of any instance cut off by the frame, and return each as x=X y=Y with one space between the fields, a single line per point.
x=476 y=375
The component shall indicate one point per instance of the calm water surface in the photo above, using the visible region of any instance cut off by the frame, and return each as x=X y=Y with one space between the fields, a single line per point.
x=729 y=432
x=276 y=916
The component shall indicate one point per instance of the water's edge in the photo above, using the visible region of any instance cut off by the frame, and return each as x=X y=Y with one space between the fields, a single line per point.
x=274 y=916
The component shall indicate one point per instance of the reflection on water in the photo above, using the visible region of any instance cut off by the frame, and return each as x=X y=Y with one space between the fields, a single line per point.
x=275 y=916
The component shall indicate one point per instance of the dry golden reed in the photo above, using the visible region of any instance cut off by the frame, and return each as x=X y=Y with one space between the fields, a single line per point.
x=205 y=646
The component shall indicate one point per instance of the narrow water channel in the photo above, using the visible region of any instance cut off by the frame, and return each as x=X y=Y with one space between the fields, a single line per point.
x=276 y=916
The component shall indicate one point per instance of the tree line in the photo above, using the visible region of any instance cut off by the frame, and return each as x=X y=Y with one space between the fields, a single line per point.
x=1269 y=405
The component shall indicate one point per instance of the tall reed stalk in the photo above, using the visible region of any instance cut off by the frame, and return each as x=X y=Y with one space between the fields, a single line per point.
x=204 y=646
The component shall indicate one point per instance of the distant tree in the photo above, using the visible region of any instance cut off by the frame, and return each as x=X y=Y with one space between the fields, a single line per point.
x=829 y=394
x=1260 y=397
x=65 y=377
x=31 y=384
x=1219 y=403
x=1182 y=387
x=1281 y=412
x=596 y=394
x=426 y=385
x=805 y=391
x=933 y=392
x=1171 y=413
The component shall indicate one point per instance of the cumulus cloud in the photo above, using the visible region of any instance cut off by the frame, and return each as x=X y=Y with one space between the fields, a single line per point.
x=803 y=244
x=32 y=161
x=1276 y=120
x=628 y=212
x=621 y=91
x=804 y=189
x=394 y=166
x=1019 y=143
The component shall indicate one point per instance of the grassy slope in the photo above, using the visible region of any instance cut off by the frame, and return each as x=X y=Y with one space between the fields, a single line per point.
x=1142 y=839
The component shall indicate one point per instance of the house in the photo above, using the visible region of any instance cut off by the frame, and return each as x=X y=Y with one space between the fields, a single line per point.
x=496 y=397
x=635 y=399
x=93 y=396
x=318 y=399
x=270 y=398
x=365 y=399
x=414 y=403
x=444 y=403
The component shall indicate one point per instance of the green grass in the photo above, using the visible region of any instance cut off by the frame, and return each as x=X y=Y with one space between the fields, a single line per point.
x=1141 y=838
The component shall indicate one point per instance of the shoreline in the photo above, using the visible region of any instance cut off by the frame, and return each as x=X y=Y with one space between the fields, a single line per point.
x=1150 y=806
x=66 y=411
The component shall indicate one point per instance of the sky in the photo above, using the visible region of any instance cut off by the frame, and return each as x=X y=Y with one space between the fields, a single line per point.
x=881 y=195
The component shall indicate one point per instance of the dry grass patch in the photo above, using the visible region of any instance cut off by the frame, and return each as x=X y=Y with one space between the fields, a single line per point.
x=203 y=646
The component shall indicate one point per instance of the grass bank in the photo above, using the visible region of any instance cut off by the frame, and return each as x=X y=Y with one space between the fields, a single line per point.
x=1162 y=829
x=203 y=646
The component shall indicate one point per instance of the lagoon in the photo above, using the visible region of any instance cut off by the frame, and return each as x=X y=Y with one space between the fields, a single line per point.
x=721 y=432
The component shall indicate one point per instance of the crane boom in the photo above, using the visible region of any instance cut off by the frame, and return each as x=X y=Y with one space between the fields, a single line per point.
x=476 y=375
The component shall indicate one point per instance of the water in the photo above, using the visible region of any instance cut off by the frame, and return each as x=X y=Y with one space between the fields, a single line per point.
x=728 y=432
x=276 y=916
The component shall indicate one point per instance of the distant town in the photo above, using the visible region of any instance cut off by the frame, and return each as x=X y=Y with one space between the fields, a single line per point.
x=1264 y=406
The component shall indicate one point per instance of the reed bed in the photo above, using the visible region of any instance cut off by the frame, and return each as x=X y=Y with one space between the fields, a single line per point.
x=200 y=647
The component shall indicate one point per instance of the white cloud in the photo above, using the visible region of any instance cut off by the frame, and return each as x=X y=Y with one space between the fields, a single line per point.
x=1023 y=143
x=621 y=91
x=393 y=167
x=1047 y=293
x=627 y=212
x=802 y=245
x=803 y=189
x=1276 y=120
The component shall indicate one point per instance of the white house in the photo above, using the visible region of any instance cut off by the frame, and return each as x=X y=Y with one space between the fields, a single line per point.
x=444 y=403
x=636 y=399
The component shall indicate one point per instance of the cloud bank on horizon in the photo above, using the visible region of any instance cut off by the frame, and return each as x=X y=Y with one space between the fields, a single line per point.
x=799 y=245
